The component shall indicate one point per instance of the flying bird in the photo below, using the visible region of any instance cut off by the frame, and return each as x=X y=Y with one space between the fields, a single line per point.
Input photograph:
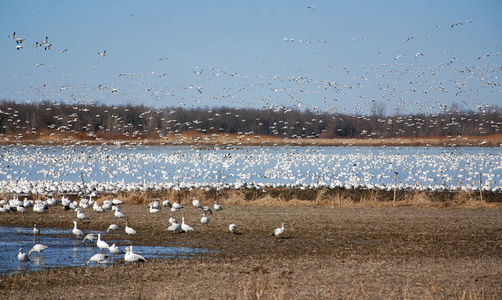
x=416 y=55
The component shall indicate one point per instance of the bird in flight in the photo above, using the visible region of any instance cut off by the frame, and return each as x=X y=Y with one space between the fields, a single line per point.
x=103 y=54
x=311 y=7
x=416 y=55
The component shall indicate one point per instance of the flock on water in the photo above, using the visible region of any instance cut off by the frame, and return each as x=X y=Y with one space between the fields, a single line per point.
x=105 y=251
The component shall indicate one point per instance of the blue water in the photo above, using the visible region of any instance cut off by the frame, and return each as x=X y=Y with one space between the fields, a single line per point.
x=65 y=251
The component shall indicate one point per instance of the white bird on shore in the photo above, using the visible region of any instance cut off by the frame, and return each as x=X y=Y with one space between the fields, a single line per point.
x=132 y=257
x=217 y=207
x=114 y=249
x=174 y=227
x=166 y=203
x=204 y=219
x=232 y=228
x=113 y=228
x=80 y=214
x=36 y=230
x=196 y=203
x=118 y=213
x=176 y=206
x=77 y=232
x=185 y=227
x=129 y=230
x=23 y=257
x=89 y=237
x=278 y=231
x=37 y=248
x=99 y=258
x=102 y=244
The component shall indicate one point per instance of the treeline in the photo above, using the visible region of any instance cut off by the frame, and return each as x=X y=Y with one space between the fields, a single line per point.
x=142 y=120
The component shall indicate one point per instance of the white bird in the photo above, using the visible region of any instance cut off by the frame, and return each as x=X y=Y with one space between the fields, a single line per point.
x=115 y=250
x=176 y=206
x=37 y=248
x=416 y=55
x=132 y=257
x=232 y=228
x=81 y=215
x=102 y=244
x=278 y=231
x=89 y=237
x=99 y=258
x=103 y=54
x=117 y=201
x=172 y=219
x=13 y=36
x=174 y=227
x=204 y=219
x=217 y=207
x=22 y=257
x=118 y=213
x=154 y=210
x=185 y=227
x=207 y=209
x=113 y=227
x=77 y=232
x=129 y=230
x=166 y=203
x=196 y=203
x=36 y=230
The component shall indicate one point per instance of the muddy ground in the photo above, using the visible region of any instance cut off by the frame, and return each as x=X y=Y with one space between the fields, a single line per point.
x=324 y=253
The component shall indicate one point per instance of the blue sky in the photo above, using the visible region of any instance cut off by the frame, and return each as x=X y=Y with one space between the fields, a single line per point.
x=344 y=56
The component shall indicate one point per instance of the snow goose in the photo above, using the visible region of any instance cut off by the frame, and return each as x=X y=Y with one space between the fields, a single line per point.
x=185 y=227
x=232 y=228
x=99 y=258
x=118 y=213
x=114 y=249
x=207 y=209
x=217 y=207
x=204 y=219
x=129 y=230
x=196 y=204
x=81 y=215
x=172 y=219
x=77 y=232
x=23 y=257
x=89 y=237
x=102 y=244
x=166 y=203
x=154 y=210
x=174 y=227
x=36 y=230
x=37 y=248
x=176 y=206
x=132 y=257
x=113 y=228
x=278 y=231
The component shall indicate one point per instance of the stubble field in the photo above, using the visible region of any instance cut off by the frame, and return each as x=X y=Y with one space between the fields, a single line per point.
x=326 y=252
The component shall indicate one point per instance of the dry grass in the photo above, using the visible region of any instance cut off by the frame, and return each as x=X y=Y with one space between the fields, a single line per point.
x=227 y=139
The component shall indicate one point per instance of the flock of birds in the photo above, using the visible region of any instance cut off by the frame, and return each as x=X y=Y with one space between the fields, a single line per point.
x=15 y=204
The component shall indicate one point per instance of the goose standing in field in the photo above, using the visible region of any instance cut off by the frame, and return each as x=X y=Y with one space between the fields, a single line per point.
x=196 y=203
x=207 y=209
x=153 y=210
x=172 y=219
x=132 y=257
x=102 y=244
x=174 y=227
x=232 y=228
x=99 y=258
x=217 y=207
x=77 y=232
x=204 y=219
x=129 y=230
x=114 y=249
x=185 y=227
x=36 y=230
x=89 y=237
x=37 y=248
x=118 y=213
x=166 y=203
x=113 y=228
x=176 y=206
x=278 y=231
x=23 y=257
x=80 y=214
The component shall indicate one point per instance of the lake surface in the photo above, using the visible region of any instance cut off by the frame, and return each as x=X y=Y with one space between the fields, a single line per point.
x=65 y=251
x=63 y=169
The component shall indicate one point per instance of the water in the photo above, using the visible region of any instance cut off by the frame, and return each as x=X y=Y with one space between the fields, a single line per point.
x=111 y=169
x=64 y=251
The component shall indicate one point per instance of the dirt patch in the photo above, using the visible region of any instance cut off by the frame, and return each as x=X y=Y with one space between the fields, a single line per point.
x=325 y=253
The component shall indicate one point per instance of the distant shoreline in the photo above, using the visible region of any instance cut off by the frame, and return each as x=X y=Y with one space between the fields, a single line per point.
x=229 y=140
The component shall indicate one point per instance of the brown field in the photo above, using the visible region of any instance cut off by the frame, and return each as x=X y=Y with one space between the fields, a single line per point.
x=48 y=137
x=337 y=245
